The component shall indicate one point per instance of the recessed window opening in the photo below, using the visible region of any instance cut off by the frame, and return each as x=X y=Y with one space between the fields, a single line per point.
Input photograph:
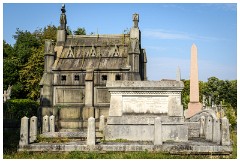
x=104 y=77
x=76 y=77
x=63 y=78
x=118 y=77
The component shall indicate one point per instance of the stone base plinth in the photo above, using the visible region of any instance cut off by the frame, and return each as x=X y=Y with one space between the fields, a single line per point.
x=140 y=128
x=193 y=108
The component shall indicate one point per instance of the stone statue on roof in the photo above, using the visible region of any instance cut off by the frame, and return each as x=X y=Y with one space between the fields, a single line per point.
x=63 y=19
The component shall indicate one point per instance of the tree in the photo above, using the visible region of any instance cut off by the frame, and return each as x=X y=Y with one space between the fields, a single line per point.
x=7 y=50
x=24 y=42
x=212 y=89
x=10 y=71
x=32 y=72
x=79 y=31
x=185 y=93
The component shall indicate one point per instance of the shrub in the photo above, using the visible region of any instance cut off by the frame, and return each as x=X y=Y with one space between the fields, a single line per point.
x=18 y=108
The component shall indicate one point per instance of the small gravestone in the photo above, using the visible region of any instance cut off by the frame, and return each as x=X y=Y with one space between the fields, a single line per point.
x=91 y=134
x=216 y=131
x=52 y=123
x=208 y=133
x=45 y=124
x=33 y=129
x=101 y=123
x=202 y=126
x=225 y=136
x=158 y=131
x=24 y=132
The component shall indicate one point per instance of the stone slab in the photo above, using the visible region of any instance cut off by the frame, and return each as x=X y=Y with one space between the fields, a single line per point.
x=141 y=120
x=169 y=131
x=193 y=129
x=190 y=147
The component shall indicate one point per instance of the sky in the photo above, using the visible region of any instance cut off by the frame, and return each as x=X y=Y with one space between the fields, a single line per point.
x=168 y=31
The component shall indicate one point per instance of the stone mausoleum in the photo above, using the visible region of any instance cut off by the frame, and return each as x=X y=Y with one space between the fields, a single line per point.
x=95 y=93
x=77 y=68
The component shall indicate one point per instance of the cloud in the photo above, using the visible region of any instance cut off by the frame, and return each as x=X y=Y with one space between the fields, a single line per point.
x=174 y=35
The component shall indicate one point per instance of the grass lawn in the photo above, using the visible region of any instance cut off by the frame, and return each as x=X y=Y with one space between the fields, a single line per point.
x=11 y=140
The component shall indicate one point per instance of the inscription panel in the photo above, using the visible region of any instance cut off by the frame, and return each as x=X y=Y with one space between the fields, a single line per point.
x=103 y=96
x=145 y=104
x=69 y=96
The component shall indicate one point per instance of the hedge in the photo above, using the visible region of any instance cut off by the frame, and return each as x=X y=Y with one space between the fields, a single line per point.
x=18 y=108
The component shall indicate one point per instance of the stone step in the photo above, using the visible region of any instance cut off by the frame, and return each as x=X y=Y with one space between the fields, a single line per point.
x=75 y=134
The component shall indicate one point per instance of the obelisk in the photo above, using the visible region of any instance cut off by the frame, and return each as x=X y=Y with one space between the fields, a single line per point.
x=194 y=106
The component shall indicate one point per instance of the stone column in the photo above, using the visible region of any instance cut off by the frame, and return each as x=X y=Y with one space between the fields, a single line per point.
x=216 y=131
x=178 y=74
x=89 y=92
x=158 y=131
x=33 y=129
x=52 y=123
x=225 y=136
x=101 y=123
x=45 y=124
x=24 y=132
x=209 y=129
x=194 y=106
x=202 y=126
x=91 y=134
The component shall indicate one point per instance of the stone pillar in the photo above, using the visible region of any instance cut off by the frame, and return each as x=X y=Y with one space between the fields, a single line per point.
x=33 y=129
x=178 y=74
x=174 y=108
x=91 y=134
x=52 y=123
x=158 y=131
x=194 y=106
x=225 y=136
x=24 y=140
x=89 y=92
x=45 y=124
x=202 y=126
x=216 y=131
x=101 y=123
x=209 y=129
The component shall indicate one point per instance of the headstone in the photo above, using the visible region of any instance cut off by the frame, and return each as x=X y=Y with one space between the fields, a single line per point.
x=24 y=140
x=158 y=131
x=225 y=136
x=52 y=123
x=209 y=129
x=203 y=101
x=33 y=129
x=91 y=134
x=202 y=126
x=210 y=101
x=5 y=95
x=45 y=124
x=194 y=106
x=216 y=131
x=101 y=123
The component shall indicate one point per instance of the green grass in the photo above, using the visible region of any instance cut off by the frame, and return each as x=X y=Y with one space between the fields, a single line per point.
x=11 y=139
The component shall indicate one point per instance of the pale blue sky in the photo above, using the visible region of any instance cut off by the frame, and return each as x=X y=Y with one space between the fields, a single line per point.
x=168 y=31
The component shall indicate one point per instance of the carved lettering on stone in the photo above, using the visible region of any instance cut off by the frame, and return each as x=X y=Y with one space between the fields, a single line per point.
x=145 y=104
